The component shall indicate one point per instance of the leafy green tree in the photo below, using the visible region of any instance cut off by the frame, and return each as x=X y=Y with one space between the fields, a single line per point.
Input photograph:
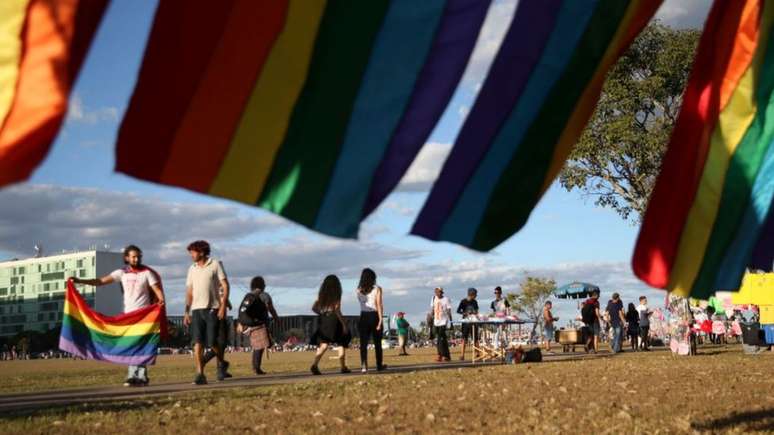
x=528 y=303
x=618 y=156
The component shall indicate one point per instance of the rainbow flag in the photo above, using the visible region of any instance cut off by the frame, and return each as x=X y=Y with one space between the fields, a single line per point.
x=312 y=109
x=131 y=338
x=540 y=92
x=42 y=45
x=710 y=215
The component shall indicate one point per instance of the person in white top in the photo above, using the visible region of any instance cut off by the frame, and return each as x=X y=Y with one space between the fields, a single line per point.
x=370 y=323
x=206 y=301
x=141 y=286
x=442 y=316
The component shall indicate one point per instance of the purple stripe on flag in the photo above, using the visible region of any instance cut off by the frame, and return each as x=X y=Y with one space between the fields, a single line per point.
x=452 y=46
x=79 y=351
x=519 y=52
x=763 y=254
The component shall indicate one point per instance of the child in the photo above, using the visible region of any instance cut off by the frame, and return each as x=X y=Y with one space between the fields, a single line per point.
x=331 y=327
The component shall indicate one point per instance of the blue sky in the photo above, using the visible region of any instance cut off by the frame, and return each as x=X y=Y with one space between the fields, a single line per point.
x=567 y=237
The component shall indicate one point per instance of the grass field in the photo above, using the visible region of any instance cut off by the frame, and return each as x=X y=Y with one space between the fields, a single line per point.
x=720 y=390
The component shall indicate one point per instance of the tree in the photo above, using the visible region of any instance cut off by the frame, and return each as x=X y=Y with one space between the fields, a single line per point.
x=618 y=156
x=535 y=291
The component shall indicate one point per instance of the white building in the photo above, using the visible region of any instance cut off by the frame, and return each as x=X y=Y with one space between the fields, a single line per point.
x=32 y=290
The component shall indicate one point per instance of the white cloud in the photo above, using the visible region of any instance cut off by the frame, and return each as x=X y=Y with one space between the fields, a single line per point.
x=425 y=168
x=684 y=13
x=78 y=112
x=492 y=32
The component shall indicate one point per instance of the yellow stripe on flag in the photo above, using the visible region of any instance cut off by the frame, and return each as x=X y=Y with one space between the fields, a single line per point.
x=265 y=120
x=142 y=328
x=12 y=17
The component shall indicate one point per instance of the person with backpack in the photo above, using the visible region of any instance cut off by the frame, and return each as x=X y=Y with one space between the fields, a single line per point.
x=591 y=317
x=331 y=327
x=370 y=323
x=141 y=287
x=254 y=319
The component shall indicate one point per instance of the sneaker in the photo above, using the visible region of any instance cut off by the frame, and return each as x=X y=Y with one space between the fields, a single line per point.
x=200 y=379
x=315 y=370
x=363 y=369
x=223 y=370
x=381 y=368
x=345 y=370
x=130 y=382
x=259 y=372
x=143 y=382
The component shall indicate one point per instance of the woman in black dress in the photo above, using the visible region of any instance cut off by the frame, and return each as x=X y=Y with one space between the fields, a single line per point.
x=331 y=327
x=633 y=325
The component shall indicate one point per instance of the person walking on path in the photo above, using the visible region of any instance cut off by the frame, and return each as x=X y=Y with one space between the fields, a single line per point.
x=442 y=316
x=645 y=314
x=548 y=325
x=141 y=287
x=403 y=330
x=591 y=318
x=206 y=301
x=370 y=323
x=254 y=319
x=633 y=325
x=468 y=307
x=331 y=327
x=617 y=318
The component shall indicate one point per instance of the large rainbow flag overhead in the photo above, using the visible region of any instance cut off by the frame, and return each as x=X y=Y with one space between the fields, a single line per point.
x=312 y=109
x=42 y=45
x=131 y=338
x=535 y=102
x=710 y=215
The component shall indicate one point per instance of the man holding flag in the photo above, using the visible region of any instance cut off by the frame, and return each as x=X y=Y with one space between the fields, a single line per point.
x=140 y=285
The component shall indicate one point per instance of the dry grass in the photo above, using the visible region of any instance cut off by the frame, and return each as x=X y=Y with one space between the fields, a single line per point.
x=721 y=390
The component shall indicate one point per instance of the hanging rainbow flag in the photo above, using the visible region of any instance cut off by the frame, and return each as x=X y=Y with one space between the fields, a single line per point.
x=540 y=92
x=312 y=109
x=42 y=46
x=131 y=338
x=710 y=215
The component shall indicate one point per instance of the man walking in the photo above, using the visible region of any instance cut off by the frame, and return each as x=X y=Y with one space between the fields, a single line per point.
x=140 y=285
x=645 y=314
x=206 y=299
x=617 y=318
x=441 y=309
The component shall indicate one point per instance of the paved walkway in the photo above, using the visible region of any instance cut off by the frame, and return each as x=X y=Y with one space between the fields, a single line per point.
x=43 y=399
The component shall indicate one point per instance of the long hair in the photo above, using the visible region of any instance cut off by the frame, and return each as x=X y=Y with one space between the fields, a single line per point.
x=330 y=292
x=367 y=281
x=631 y=309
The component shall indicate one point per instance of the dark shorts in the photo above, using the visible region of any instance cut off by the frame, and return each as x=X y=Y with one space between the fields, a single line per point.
x=204 y=327
x=221 y=332
x=467 y=332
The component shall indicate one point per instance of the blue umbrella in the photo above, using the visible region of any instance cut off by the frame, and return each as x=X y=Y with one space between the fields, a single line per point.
x=575 y=290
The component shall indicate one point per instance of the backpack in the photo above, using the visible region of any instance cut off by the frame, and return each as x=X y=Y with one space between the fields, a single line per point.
x=252 y=311
x=533 y=355
x=588 y=314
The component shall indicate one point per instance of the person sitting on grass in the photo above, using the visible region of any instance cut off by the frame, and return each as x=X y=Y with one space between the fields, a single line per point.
x=403 y=330
x=468 y=307
x=331 y=327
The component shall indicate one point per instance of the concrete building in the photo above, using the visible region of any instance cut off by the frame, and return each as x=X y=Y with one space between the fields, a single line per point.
x=32 y=290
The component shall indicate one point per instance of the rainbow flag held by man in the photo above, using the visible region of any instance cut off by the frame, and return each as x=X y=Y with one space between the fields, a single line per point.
x=42 y=46
x=711 y=213
x=130 y=339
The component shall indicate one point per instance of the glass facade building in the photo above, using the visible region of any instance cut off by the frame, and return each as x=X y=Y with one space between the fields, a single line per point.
x=32 y=290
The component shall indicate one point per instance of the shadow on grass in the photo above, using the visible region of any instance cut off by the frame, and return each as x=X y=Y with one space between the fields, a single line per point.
x=65 y=409
x=762 y=421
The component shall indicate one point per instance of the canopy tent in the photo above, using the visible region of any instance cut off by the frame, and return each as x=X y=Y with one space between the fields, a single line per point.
x=576 y=290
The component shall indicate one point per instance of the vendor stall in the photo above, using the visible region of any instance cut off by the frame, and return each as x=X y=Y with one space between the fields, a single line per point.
x=573 y=335
x=493 y=335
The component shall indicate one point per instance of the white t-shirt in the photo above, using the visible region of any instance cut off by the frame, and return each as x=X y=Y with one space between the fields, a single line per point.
x=136 y=284
x=644 y=318
x=441 y=308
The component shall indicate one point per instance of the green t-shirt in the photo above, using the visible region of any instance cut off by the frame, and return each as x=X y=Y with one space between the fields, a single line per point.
x=403 y=325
